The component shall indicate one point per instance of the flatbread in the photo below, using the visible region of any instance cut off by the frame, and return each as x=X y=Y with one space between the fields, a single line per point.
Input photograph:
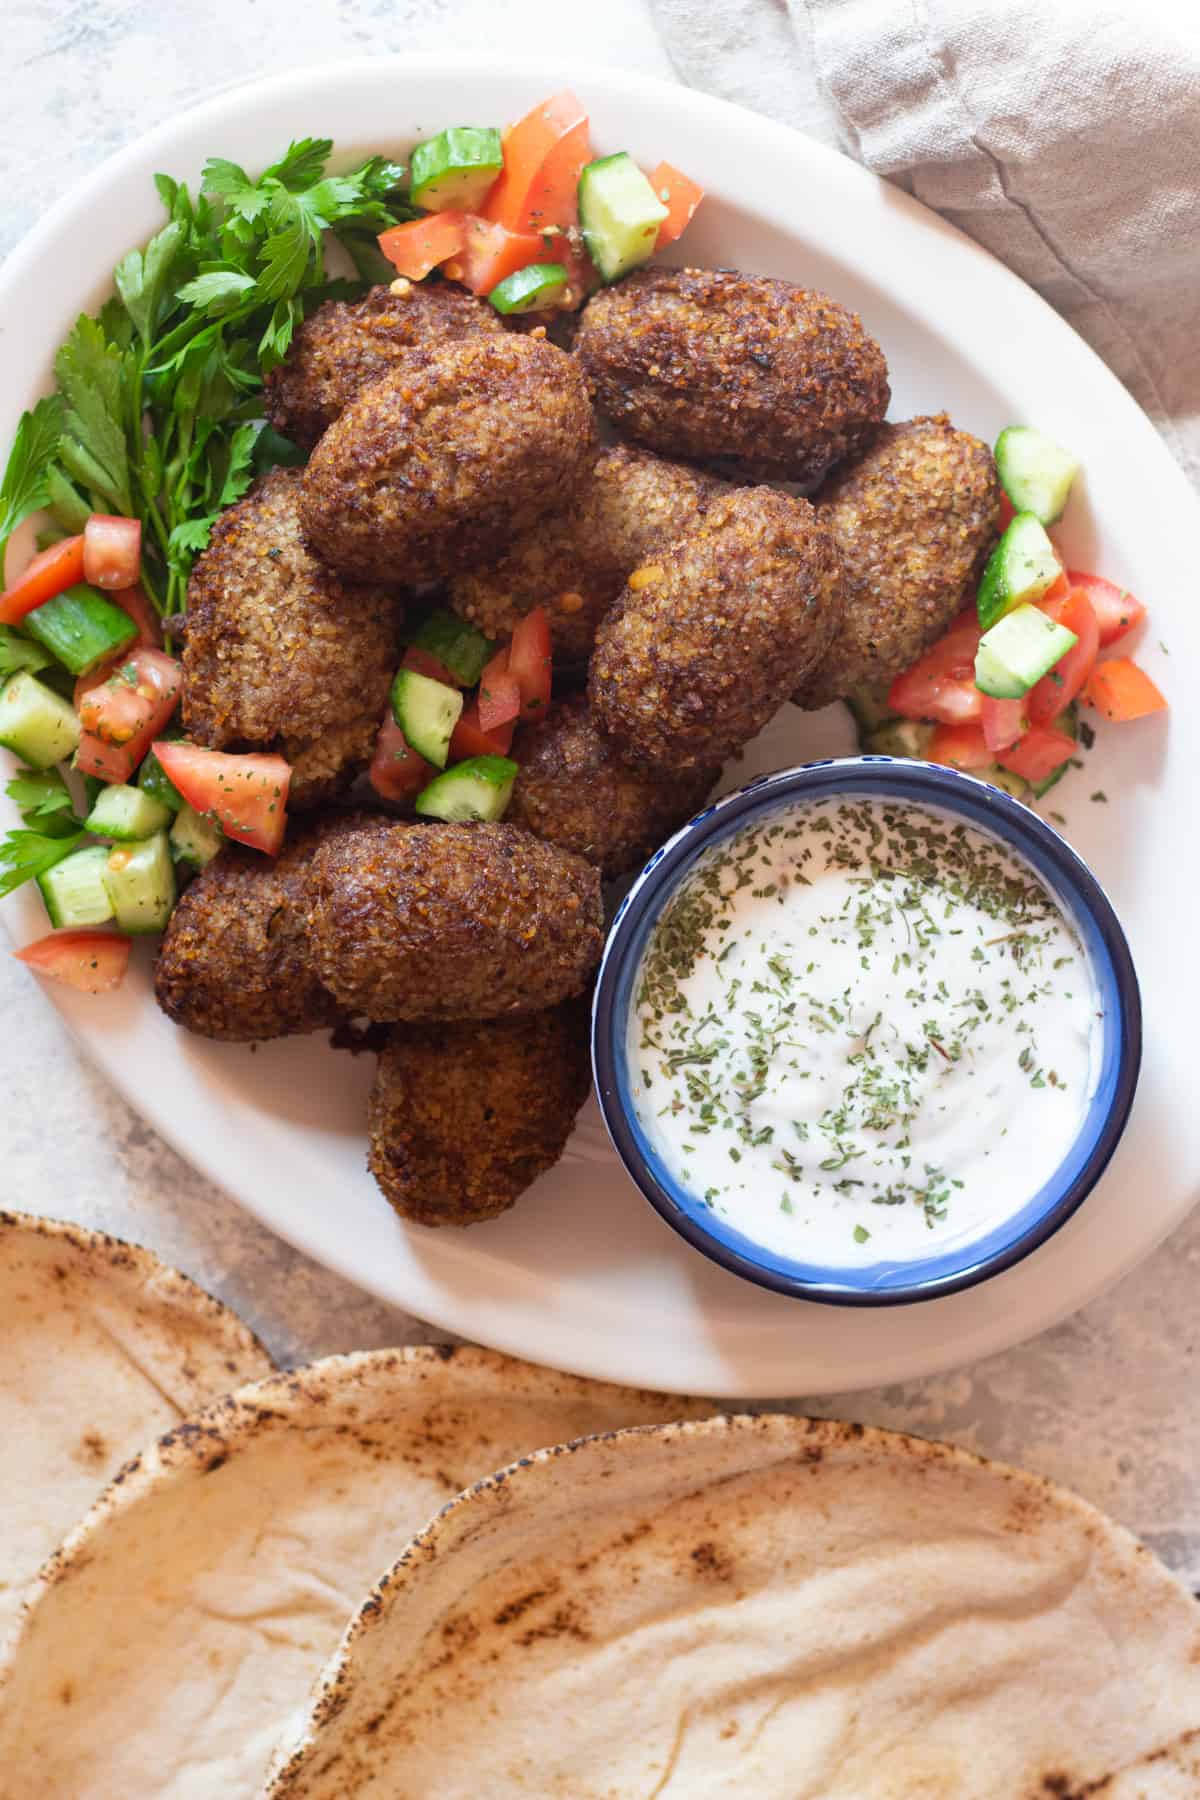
x=102 y=1348
x=187 y=1617
x=767 y=1607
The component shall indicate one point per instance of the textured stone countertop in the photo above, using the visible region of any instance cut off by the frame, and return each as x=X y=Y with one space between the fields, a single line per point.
x=1106 y=1402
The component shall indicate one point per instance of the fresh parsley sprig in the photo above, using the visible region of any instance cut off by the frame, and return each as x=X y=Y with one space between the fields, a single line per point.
x=160 y=394
x=52 y=829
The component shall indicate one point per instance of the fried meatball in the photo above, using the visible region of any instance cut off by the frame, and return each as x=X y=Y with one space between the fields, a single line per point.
x=574 y=791
x=463 y=1117
x=914 y=521
x=280 y=652
x=452 y=922
x=235 y=963
x=708 y=363
x=344 y=347
x=575 y=563
x=442 y=463
x=707 y=639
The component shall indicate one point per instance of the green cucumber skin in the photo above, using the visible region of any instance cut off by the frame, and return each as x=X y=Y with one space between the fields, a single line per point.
x=1015 y=654
x=194 y=839
x=477 y=790
x=1036 y=473
x=81 y=628
x=154 y=780
x=1022 y=567
x=35 y=722
x=426 y=712
x=127 y=814
x=458 y=646
x=899 y=737
x=538 y=287
x=455 y=169
x=617 y=246
x=74 y=891
x=140 y=879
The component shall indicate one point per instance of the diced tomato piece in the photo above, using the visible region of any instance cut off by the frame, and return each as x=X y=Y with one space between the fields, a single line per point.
x=488 y=252
x=680 y=196
x=1039 y=753
x=1057 y=689
x=92 y=961
x=1116 y=610
x=527 y=144
x=1008 y=511
x=423 y=244
x=1120 y=691
x=470 y=739
x=552 y=197
x=128 y=703
x=246 y=795
x=106 y=762
x=422 y=663
x=529 y=660
x=50 y=573
x=1003 y=722
x=397 y=772
x=112 y=551
x=941 y=684
x=133 y=601
x=499 y=697
x=960 y=747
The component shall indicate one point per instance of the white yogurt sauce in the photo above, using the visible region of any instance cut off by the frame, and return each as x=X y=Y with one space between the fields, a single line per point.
x=863 y=1032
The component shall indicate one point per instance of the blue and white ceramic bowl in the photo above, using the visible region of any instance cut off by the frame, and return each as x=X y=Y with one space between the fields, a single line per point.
x=1083 y=902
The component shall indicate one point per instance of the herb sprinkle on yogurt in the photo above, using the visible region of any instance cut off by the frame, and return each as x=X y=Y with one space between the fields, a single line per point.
x=857 y=1024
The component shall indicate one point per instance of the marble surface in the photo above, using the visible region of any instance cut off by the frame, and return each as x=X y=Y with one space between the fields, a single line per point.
x=1106 y=1402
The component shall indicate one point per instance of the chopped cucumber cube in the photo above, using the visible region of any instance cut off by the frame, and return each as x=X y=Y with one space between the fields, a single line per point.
x=140 y=879
x=81 y=628
x=1036 y=472
x=459 y=648
x=540 y=285
x=899 y=737
x=16 y=652
x=195 y=839
x=74 y=889
x=36 y=722
x=1017 y=652
x=426 y=712
x=153 y=780
x=1012 y=784
x=478 y=789
x=455 y=169
x=127 y=814
x=1021 y=568
x=619 y=214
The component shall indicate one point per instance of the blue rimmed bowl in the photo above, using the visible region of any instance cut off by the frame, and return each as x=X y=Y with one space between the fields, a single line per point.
x=1083 y=902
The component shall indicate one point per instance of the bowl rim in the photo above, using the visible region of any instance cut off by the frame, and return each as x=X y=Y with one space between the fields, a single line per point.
x=934 y=784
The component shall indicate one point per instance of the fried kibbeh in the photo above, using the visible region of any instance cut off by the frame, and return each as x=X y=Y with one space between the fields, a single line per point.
x=280 y=652
x=447 y=921
x=441 y=464
x=777 y=381
x=463 y=1116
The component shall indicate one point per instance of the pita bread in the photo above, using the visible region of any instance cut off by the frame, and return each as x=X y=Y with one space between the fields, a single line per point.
x=768 y=1606
x=102 y=1347
x=188 y=1615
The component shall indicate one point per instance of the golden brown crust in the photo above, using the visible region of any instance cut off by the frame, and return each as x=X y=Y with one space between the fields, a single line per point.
x=281 y=653
x=707 y=363
x=463 y=1117
x=444 y=462
x=235 y=963
x=452 y=922
x=575 y=563
x=914 y=520
x=711 y=636
x=344 y=347
x=575 y=791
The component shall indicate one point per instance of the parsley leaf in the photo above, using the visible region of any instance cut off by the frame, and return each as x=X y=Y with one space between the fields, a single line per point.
x=91 y=374
x=216 y=290
x=24 y=855
x=35 y=446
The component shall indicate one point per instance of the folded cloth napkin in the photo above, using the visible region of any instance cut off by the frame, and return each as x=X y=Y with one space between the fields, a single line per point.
x=1064 y=138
